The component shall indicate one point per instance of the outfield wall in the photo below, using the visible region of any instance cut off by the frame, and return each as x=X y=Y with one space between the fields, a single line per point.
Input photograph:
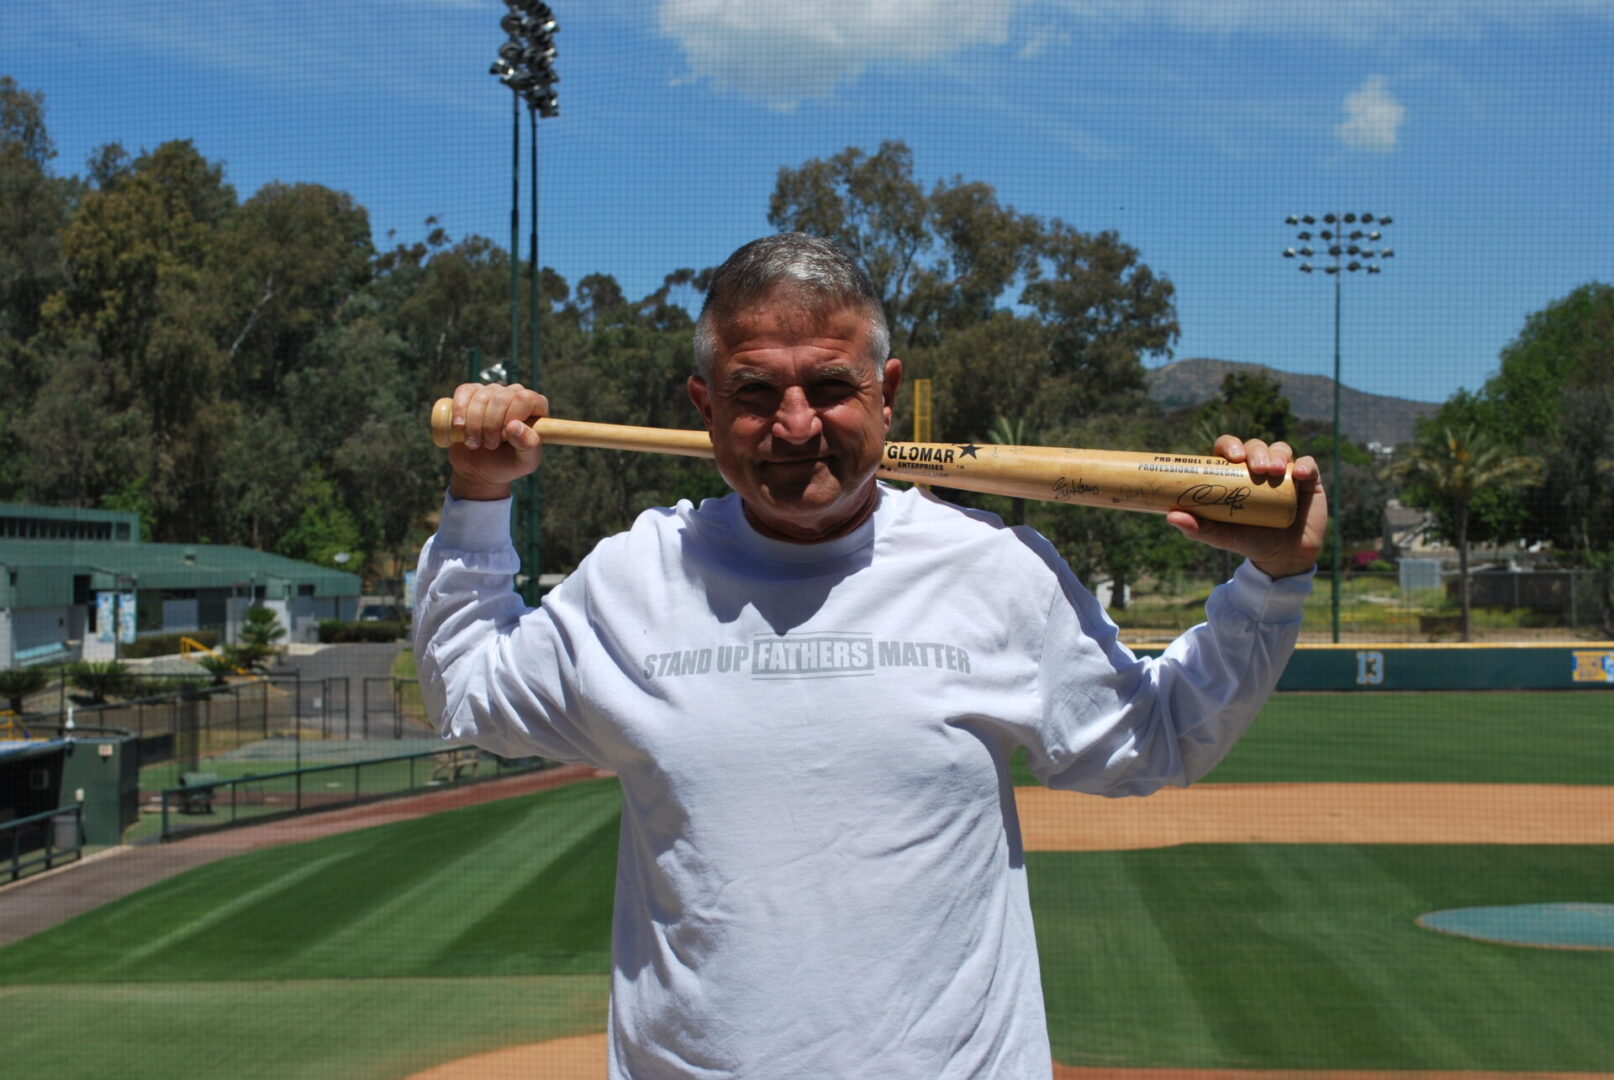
x=1554 y=666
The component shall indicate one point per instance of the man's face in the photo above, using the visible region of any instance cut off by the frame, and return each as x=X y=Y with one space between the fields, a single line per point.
x=798 y=415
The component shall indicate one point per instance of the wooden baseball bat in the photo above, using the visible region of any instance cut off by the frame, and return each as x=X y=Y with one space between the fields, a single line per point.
x=1207 y=487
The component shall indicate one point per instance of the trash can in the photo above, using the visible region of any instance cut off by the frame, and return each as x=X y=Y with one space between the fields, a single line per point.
x=64 y=832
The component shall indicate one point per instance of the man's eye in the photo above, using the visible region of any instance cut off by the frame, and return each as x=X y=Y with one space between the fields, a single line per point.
x=833 y=390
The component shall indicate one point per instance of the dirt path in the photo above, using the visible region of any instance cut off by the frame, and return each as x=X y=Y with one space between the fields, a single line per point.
x=1320 y=814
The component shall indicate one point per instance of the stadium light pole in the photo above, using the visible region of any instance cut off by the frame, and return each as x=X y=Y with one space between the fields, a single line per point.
x=1342 y=253
x=525 y=65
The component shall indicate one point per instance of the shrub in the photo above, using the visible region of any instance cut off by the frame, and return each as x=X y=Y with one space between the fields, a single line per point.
x=99 y=678
x=167 y=644
x=335 y=630
x=18 y=683
x=258 y=636
x=220 y=667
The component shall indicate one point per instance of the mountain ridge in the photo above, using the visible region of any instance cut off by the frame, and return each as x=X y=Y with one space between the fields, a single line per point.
x=1363 y=417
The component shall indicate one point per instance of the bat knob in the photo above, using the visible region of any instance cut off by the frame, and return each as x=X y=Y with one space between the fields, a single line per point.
x=443 y=433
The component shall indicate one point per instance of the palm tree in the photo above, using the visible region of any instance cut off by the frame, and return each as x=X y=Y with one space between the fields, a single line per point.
x=17 y=683
x=1448 y=467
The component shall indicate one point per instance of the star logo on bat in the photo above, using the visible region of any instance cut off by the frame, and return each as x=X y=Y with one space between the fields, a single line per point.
x=968 y=450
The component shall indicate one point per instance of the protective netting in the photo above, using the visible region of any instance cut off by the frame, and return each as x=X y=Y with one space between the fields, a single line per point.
x=243 y=247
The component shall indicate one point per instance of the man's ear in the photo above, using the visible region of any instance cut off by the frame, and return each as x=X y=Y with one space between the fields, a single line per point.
x=888 y=386
x=702 y=397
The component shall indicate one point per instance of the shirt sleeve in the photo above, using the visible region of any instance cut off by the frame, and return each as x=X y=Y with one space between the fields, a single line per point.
x=1114 y=724
x=492 y=670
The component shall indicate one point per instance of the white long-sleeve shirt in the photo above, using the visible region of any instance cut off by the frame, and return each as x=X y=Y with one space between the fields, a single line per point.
x=820 y=870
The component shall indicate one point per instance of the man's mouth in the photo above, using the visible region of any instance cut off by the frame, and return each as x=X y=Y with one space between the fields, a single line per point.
x=793 y=467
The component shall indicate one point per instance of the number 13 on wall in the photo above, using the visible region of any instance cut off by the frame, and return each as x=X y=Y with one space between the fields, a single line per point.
x=1369 y=667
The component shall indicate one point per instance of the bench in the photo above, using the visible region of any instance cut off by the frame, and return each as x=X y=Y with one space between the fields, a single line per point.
x=455 y=765
x=197 y=796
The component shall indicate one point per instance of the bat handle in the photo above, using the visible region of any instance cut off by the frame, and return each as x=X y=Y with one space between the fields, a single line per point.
x=444 y=433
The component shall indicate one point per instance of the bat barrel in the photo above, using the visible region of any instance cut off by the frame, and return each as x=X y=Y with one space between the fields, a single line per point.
x=1207 y=487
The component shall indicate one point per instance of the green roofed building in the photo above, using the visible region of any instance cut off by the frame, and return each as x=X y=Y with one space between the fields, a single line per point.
x=74 y=583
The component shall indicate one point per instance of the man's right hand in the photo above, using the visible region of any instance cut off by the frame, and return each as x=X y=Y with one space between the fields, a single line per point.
x=498 y=448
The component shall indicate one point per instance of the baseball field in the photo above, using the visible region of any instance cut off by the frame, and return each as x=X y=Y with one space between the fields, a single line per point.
x=1265 y=920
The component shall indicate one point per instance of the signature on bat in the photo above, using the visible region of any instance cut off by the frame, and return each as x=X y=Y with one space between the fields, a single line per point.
x=1066 y=488
x=1231 y=496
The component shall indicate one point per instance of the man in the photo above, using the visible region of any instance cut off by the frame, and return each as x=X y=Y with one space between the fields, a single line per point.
x=810 y=690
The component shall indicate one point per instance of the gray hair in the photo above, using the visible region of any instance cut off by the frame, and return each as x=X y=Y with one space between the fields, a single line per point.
x=822 y=275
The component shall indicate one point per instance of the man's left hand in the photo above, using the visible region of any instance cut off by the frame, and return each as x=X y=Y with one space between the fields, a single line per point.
x=1277 y=552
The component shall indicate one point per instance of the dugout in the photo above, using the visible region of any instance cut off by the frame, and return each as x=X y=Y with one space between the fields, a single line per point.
x=100 y=772
x=74 y=584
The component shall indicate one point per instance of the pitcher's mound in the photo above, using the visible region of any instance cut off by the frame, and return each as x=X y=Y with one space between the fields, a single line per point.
x=1541 y=926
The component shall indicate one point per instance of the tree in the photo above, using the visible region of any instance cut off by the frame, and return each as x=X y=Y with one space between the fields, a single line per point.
x=324 y=529
x=1553 y=396
x=284 y=264
x=1105 y=311
x=134 y=313
x=870 y=205
x=1448 y=467
x=1252 y=406
x=33 y=208
x=17 y=683
x=259 y=634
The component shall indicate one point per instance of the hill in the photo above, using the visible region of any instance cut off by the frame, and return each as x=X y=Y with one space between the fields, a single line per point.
x=1363 y=417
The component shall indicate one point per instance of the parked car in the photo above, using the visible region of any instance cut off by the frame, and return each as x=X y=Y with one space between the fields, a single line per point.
x=380 y=613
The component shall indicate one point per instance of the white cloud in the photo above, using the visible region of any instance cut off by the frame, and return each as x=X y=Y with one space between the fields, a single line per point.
x=785 y=51
x=1373 y=117
x=1357 y=22
x=1042 y=39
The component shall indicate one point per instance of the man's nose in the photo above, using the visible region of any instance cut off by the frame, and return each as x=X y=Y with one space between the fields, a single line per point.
x=796 y=420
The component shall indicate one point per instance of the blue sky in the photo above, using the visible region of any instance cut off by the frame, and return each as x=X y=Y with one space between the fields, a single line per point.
x=1192 y=127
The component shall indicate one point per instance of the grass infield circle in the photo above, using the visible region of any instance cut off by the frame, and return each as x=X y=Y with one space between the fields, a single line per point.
x=1538 y=926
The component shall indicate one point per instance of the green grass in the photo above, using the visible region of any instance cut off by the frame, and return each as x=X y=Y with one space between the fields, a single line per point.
x=514 y=887
x=1502 y=737
x=357 y=1029
x=1298 y=956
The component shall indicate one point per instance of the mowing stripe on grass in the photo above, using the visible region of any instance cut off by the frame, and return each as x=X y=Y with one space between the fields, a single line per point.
x=1308 y=956
x=299 y=911
x=510 y=860
x=202 y=921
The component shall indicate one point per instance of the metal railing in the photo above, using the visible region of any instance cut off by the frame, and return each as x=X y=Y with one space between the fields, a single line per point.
x=203 y=802
x=48 y=839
